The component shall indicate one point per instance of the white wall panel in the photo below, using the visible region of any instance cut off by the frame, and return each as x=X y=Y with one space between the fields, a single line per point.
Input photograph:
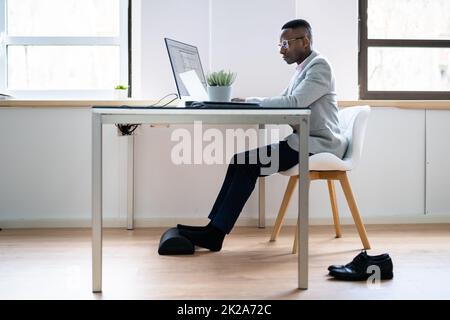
x=45 y=165
x=437 y=163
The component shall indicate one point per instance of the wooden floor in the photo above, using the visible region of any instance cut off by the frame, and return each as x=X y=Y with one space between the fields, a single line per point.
x=56 y=264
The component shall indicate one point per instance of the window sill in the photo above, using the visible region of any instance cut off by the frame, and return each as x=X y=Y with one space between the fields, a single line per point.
x=406 y=104
x=36 y=103
x=61 y=103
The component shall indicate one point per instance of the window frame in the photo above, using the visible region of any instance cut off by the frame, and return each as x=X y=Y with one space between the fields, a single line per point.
x=363 y=48
x=122 y=41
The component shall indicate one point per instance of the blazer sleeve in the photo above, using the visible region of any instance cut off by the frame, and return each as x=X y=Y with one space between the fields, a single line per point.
x=261 y=100
x=316 y=84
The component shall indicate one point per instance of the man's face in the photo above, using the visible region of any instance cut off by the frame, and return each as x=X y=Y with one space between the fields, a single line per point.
x=298 y=49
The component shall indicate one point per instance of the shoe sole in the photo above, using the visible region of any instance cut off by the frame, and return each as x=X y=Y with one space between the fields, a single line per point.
x=387 y=276
x=384 y=276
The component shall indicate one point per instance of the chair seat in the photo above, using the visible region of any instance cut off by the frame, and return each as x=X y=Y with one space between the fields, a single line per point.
x=323 y=162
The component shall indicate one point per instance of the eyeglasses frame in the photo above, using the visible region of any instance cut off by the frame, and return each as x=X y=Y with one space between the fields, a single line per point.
x=281 y=45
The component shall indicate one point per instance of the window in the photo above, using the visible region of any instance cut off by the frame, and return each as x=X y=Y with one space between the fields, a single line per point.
x=404 y=50
x=63 y=48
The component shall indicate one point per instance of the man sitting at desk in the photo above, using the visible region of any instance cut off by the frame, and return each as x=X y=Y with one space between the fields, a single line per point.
x=312 y=86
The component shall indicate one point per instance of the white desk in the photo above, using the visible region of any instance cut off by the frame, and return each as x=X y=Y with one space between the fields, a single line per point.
x=207 y=116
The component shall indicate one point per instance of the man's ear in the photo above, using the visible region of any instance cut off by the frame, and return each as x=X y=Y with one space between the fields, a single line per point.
x=307 y=42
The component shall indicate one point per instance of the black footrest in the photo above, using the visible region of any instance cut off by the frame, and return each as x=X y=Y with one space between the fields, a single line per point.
x=173 y=243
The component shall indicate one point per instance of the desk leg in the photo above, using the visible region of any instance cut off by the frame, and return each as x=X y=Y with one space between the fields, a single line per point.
x=303 y=205
x=262 y=141
x=262 y=203
x=96 y=203
x=130 y=183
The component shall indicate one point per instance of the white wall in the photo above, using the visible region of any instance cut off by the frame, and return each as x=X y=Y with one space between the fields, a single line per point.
x=244 y=38
x=335 y=30
x=186 y=21
x=45 y=154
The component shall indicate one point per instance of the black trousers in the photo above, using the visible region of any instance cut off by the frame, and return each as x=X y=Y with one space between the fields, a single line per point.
x=240 y=180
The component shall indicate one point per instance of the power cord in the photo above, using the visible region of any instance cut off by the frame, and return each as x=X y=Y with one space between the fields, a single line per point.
x=129 y=129
x=164 y=105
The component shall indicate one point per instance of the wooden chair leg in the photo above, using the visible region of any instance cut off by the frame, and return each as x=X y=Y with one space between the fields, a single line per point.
x=283 y=208
x=334 y=208
x=354 y=209
x=295 y=246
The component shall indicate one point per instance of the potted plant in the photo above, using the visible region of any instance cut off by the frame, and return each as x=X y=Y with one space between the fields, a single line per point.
x=121 y=92
x=219 y=85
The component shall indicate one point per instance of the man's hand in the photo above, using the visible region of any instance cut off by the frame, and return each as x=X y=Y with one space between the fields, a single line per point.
x=238 y=100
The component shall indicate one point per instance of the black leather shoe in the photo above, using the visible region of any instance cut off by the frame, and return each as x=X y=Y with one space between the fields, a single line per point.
x=211 y=238
x=340 y=266
x=360 y=268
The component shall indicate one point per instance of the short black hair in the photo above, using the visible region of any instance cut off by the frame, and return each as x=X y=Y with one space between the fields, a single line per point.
x=299 y=23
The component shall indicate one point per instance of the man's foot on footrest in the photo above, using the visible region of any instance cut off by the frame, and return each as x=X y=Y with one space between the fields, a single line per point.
x=193 y=228
x=211 y=239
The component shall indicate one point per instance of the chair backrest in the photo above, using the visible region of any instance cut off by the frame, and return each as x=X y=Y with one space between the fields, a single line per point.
x=353 y=123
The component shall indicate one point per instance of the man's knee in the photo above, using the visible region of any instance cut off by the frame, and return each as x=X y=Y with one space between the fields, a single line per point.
x=239 y=158
x=246 y=157
x=240 y=161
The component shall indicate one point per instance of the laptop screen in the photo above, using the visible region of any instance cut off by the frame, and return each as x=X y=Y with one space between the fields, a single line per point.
x=183 y=58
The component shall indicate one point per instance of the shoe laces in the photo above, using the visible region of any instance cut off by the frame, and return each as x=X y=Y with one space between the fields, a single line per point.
x=359 y=259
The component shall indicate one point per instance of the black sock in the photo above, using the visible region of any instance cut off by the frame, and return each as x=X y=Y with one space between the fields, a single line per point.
x=211 y=239
x=194 y=228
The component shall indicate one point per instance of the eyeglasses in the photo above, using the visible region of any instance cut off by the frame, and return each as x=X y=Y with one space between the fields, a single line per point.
x=284 y=44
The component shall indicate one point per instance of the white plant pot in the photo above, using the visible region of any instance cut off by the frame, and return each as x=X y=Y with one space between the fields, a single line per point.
x=120 y=94
x=220 y=94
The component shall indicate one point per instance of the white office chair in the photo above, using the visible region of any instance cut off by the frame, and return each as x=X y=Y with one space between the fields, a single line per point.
x=326 y=166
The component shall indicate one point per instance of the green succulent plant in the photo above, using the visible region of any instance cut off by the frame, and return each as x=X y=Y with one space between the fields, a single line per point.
x=121 y=87
x=221 y=78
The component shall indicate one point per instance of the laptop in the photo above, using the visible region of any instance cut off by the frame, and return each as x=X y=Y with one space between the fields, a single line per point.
x=190 y=79
x=220 y=105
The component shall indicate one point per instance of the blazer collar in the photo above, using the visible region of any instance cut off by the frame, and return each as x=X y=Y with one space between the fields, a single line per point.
x=305 y=62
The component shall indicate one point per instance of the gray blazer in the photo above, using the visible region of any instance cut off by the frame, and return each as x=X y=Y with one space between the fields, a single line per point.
x=313 y=87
